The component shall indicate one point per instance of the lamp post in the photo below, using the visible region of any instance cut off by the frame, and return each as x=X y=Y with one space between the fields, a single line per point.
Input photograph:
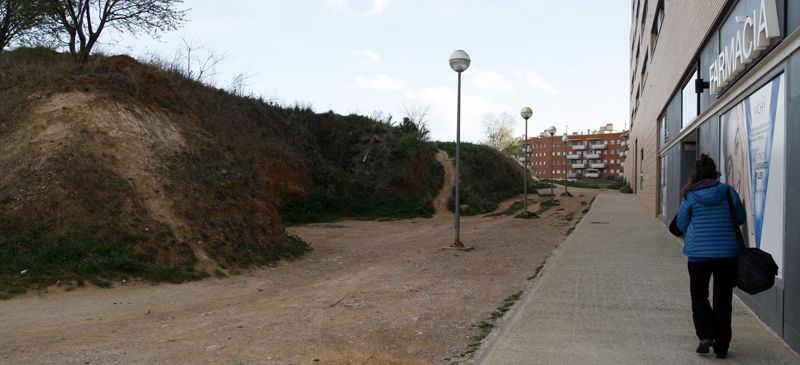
x=526 y=113
x=552 y=131
x=459 y=62
x=565 y=139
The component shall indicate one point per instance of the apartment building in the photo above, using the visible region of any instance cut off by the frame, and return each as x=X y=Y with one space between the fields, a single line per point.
x=722 y=77
x=598 y=154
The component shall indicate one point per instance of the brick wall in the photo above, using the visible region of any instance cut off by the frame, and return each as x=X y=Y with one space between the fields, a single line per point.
x=685 y=25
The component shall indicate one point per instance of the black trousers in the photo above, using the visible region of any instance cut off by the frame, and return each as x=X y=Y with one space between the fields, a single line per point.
x=713 y=322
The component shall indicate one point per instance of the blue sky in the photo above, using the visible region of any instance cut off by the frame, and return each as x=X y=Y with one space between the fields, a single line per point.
x=567 y=60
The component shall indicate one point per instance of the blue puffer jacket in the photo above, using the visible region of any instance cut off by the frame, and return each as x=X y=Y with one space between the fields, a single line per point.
x=705 y=217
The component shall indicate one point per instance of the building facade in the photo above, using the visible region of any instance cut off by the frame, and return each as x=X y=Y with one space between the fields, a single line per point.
x=596 y=154
x=722 y=77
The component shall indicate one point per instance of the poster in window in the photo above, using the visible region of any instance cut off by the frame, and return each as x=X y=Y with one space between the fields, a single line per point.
x=752 y=147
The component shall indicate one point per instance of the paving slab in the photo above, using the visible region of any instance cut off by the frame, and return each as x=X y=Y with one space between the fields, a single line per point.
x=617 y=292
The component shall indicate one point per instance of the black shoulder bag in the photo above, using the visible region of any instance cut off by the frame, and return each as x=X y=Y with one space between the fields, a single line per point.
x=756 y=270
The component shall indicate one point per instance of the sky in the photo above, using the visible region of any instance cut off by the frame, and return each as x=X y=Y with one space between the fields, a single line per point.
x=567 y=60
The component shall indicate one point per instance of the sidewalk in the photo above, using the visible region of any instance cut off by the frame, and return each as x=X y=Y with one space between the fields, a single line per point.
x=618 y=293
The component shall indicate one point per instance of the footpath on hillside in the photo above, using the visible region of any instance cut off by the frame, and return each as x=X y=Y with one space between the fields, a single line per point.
x=618 y=293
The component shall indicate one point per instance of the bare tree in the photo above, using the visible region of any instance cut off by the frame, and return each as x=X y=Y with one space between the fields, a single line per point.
x=80 y=22
x=379 y=116
x=499 y=129
x=238 y=83
x=196 y=59
x=18 y=17
x=416 y=112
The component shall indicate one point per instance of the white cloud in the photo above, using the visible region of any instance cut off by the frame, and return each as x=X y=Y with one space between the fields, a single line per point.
x=380 y=83
x=488 y=80
x=357 y=7
x=371 y=56
x=537 y=82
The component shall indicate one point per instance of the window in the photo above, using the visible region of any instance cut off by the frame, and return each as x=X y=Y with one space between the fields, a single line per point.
x=663 y=196
x=689 y=101
x=657 y=21
x=644 y=78
x=644 y=15
x=641 y=169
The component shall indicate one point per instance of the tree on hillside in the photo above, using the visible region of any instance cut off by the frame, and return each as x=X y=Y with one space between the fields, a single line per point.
x=18 y=17
x=499 y=129
x=80 y=22
x=416 y=111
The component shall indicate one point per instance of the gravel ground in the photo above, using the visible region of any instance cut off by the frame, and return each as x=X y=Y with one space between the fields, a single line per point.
x=369 y=293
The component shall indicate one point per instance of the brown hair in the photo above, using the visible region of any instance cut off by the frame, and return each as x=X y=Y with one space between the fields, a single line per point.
x=704 y=168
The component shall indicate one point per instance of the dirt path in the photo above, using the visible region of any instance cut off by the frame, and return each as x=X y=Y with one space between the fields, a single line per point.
x=440 y=202
x=369 y=293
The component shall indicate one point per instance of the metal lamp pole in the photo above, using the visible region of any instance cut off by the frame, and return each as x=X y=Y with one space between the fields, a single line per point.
x=552 y=131
x=566 y=188
x=459 y=62
x=526 y=113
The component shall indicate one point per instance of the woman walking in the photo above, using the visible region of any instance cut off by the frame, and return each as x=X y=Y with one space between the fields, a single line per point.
x=713 y=249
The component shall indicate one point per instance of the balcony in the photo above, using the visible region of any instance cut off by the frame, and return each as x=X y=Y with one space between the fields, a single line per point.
x=579 y=166
x=599 y=146
x=597 y=165
x=572 y=176
x=594 y=156
x=522 y=159
x=623 y=153
x=574 y=157
x=624 y=144
x=580 y=147
x=592 y=174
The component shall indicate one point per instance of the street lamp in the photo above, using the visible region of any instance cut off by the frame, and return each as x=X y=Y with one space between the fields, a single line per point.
x=526 y=113
x=459 y=62
x=565 y=139
x=552 y=131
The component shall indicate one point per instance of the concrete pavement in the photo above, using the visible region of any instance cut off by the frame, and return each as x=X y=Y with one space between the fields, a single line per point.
x=618 y=293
